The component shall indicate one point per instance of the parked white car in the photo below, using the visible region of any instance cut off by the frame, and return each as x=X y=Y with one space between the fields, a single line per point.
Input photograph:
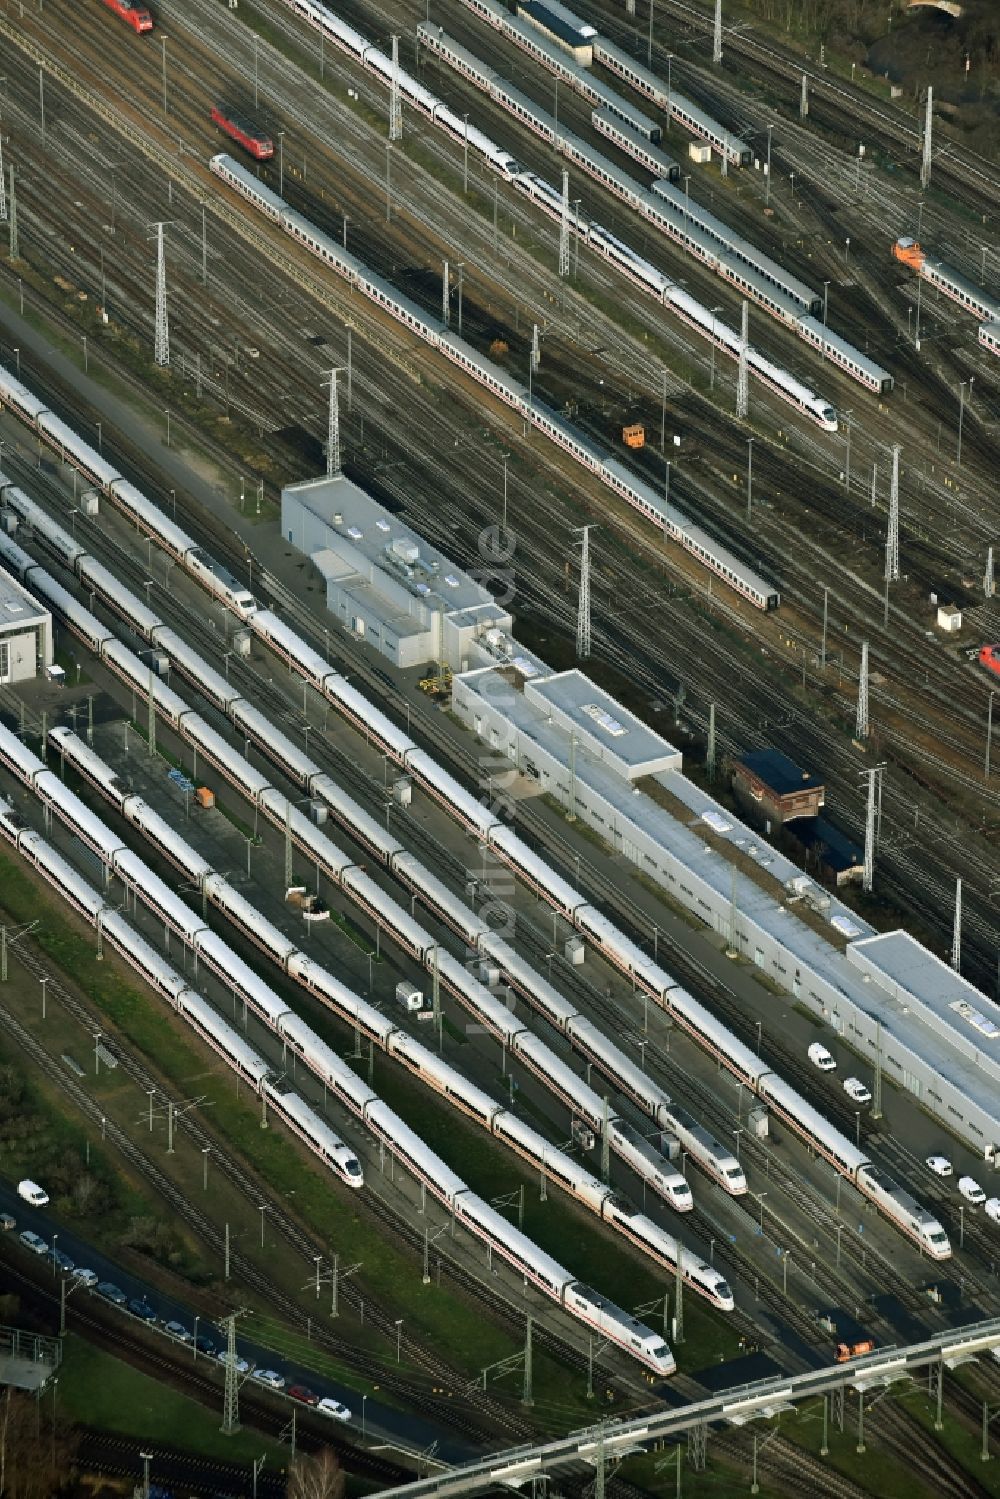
x=821 y=1058
x=971 y=1190
x=992 y=1208
x=270 y=1377
x=334 y=1409
x=856 y=1090
x=940 y=1165
x=86 y=1277
x=34 y=1242
x=33 y=1193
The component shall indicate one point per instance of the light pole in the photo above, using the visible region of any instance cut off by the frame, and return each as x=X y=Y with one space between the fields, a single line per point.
x=147 y=1458
x=767 y=169
x=54 y=1239
x=465 y=168
x=163 y=44
x=194 y=1339
x=364 y=1402
x=826 y=292
x=166 y=413
x=204 y=1168
x=750 y=442
x=715 y=311
x=263 y=1210
x=100 y=438
x=760 y=1198
x=399 y=1337
x=961 y=414
x=17 y=360
x=961 y=1225
x=857 y=1128
x=737 y=1133
x=281 y=162
x=43 y=981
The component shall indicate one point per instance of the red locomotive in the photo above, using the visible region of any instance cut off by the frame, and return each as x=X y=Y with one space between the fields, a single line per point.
x=136 y=16
x=244 y=132
x=989 y=656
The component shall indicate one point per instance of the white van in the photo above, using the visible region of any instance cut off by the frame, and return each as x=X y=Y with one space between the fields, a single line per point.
x=33 y=1193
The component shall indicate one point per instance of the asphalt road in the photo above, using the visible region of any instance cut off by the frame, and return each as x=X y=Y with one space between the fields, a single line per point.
x=381 y=1422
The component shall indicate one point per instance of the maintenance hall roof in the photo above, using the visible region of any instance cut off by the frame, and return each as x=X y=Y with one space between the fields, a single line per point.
x=600 y=720
x=370 y=537
x=17 y=606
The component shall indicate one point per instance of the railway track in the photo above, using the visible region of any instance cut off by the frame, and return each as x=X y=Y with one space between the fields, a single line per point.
x=92 y=1321
x=471 y=1408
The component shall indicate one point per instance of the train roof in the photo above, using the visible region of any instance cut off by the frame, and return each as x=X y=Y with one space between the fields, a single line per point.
x=306 y=1117
x=229 y=1039
x=848 y=350
x=720 y=233
x=604 y=47
x=469 y=60
x=259 y=190
x=969 y=290
x=663 y=162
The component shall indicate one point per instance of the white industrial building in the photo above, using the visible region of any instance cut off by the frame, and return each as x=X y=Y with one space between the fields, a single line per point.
x=25 y=633
x=384 y=583
x=894 y=1002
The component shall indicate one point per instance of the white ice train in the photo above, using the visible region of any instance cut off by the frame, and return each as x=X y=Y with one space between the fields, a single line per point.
x=551 y=1278
x=423 y=1063
x=479 y=819
x=641 y=496
x=694 y=229
x=664 y=1179
x=151 y=966
x=733 y=258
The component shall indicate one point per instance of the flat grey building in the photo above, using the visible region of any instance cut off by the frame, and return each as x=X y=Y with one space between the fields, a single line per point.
x=25 y=633
x=887 y=997
x=601 y=725
x=384 y=583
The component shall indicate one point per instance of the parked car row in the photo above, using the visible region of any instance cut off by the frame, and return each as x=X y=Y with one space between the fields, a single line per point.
x=939 y=1164
x=967 y=1186
x=140 y=1307
x=855 y=1089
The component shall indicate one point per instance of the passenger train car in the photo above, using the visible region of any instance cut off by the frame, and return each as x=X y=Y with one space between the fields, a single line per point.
x=954 y=285
x=635 y=491
x=989 y=337
x=189 y=1005
x=692 y=228
x=502 y=162
x=326 y=857
x=477 y=818
x=579 y=1300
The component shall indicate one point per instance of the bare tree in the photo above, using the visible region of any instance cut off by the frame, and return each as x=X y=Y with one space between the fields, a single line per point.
x=317 y=1477
x=36 y=1454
